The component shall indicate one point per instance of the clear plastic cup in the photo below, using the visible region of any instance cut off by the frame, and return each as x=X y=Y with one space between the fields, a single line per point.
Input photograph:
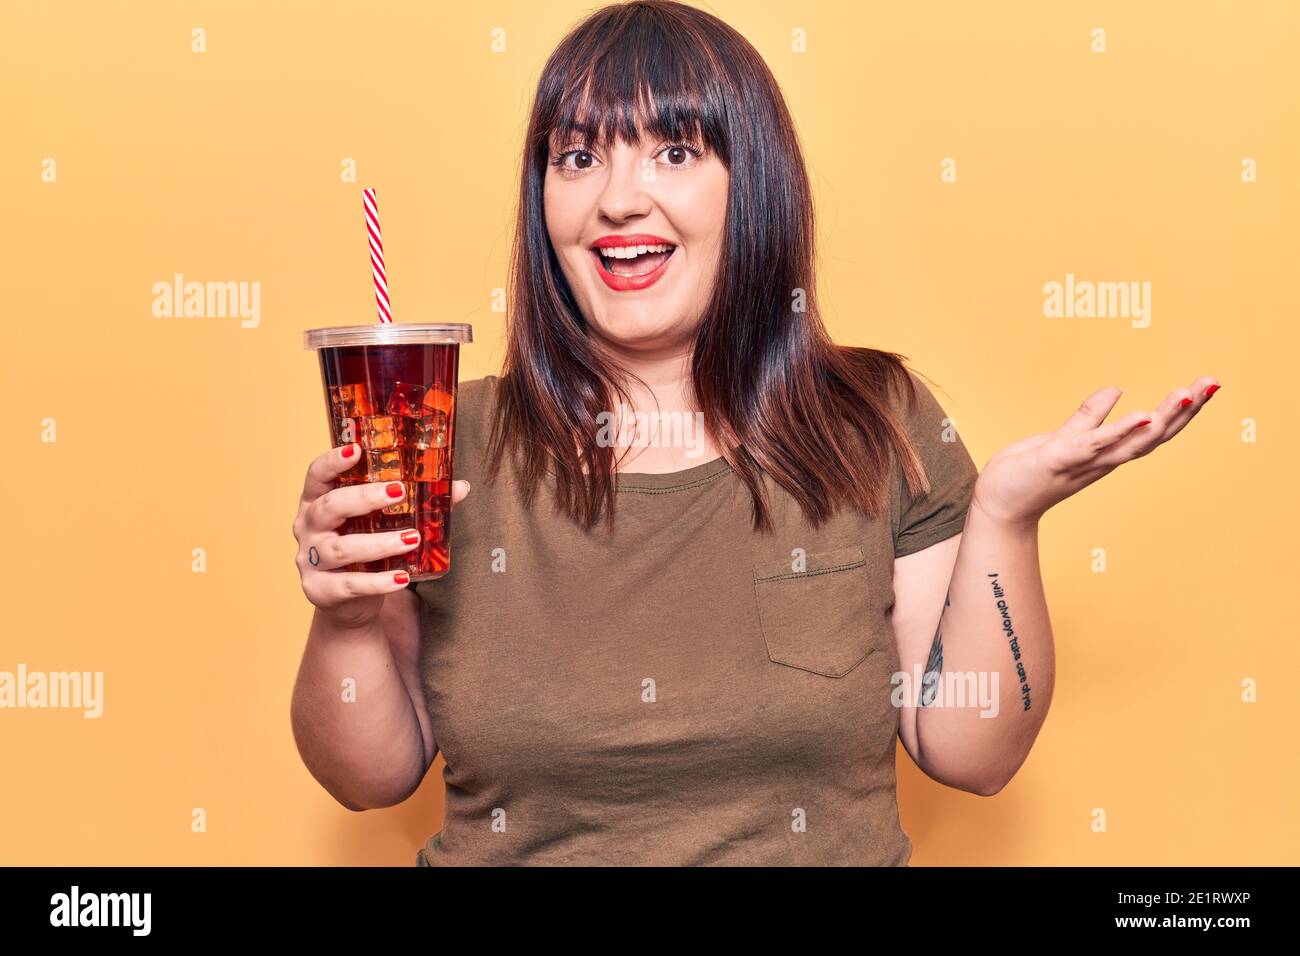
x=392 y=389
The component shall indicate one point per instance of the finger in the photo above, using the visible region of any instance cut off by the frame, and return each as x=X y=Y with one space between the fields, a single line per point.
x=1167 y=420
x=331 y=551
x=1133 y=436
x=1081 y=450
x=331 y=509
x=1134 y=423
x=326 y=467
x=1092 y=412
x=1183 y=404
x=330 y=589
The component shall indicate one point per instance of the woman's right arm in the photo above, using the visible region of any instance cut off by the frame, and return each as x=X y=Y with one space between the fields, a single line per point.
x=366 y=748
x=358 y=711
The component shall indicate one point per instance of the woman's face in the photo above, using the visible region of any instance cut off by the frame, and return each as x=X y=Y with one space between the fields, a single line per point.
x=655 y=193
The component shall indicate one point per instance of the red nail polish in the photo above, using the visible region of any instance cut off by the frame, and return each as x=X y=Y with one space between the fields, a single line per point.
x=410 y=537
x=1145 y=421
x=1184 y=403
x=394 y=489
x=401 y=577
x=349 y=450
x=1211 y=390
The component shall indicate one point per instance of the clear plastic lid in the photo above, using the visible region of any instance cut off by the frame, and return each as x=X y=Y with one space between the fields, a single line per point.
x=388 y=333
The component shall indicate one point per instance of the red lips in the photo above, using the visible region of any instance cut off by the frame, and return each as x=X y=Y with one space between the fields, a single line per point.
x=630 y=283
x=636 y=239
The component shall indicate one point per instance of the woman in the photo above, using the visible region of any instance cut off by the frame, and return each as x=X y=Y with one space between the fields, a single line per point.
x=709 y=554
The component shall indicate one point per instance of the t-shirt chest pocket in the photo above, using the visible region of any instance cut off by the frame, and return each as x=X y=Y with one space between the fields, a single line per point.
x=818 y=618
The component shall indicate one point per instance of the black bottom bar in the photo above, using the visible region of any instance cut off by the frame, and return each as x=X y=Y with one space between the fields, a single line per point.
x=983 y=906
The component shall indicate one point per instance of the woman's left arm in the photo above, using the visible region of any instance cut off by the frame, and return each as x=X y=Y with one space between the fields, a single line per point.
x=990 y=671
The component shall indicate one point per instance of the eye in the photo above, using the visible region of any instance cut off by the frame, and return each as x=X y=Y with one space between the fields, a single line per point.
x=681 y=155
x=582 y=160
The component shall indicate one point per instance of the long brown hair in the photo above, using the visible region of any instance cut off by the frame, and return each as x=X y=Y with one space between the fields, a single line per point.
x=779 y=395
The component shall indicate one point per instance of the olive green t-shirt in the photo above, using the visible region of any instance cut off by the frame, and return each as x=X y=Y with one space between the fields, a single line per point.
x=676 y=693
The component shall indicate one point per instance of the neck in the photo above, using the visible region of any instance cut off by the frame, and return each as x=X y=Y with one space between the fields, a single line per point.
x=661 y=429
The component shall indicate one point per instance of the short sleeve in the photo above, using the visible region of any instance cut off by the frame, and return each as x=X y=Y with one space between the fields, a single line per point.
x=940 y=514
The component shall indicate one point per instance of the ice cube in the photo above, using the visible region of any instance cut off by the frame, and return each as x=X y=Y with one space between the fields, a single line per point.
x=426 y=431
x=384 y=465
x=438 y=399
x=426 y=464
x=405 y=400
x=350 y=401
x=380 y=431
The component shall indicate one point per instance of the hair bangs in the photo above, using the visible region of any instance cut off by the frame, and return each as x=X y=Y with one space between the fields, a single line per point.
x=642 y=83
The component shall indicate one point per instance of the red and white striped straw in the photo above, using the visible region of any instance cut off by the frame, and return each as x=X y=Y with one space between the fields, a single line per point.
x=377 y=257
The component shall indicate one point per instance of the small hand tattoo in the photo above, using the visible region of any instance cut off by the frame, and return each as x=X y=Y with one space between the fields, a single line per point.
x=313 y=556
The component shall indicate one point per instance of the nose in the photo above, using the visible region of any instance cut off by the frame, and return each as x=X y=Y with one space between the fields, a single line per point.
x=623 y=196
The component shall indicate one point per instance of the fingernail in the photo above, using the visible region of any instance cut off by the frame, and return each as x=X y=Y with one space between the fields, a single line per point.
x=410 y=537
x=1145 y=421
x=349 y=450
x=394 y=489
x=401 y=577
x=468 y=486
x=1211 y=390
x=1184 y=403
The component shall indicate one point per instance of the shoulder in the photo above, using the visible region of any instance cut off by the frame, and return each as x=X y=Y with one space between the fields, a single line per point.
x=475 y=404
x=475 y=401
x=475 y=394
x=892 y=384
x=922 y=409
x=911 y=393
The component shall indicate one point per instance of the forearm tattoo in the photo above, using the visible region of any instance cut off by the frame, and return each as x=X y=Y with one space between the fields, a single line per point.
x=1014 y=641
x=934 y=663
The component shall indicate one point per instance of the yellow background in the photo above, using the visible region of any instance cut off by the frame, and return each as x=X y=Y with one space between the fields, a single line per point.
x=179 y=433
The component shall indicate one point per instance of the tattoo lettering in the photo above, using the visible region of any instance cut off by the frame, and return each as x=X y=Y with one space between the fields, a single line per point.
x=1012 y=639
x=934 y=664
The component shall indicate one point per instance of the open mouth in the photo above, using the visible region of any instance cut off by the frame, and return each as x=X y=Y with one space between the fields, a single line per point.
x=633 y=261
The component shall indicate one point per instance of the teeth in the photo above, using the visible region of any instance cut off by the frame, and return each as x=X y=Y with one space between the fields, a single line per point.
x=631 y=252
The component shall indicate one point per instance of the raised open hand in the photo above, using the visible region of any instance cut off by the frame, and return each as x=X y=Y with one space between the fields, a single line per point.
x=1023 y=480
